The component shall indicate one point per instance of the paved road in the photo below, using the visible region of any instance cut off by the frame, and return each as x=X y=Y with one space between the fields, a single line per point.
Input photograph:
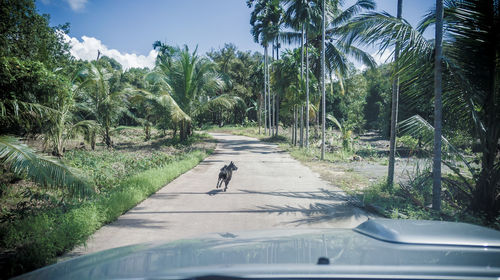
x=269 y=190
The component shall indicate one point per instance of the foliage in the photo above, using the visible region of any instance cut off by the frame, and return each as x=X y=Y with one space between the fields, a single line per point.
x=243 y=78
x=470 y=75
x=39 y=239
x=26 y=35
x=47 y=172
x=345 y=133
x=104 y=96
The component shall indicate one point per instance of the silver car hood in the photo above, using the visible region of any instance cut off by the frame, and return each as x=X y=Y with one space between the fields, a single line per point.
x=377 y=249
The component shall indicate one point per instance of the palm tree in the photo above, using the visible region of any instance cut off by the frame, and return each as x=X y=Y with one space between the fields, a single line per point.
x=105 y=96
x=265 y=19
x=62 y=124
x=24 y=161
x=194 y=83
x=470 y=85
x=336 y=52
x=394 y=110
x=297 y=16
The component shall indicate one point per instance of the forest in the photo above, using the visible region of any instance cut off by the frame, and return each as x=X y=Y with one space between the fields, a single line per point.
x=81 y=142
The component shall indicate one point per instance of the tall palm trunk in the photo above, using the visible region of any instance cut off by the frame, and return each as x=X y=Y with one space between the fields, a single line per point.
x=277 y=97
x=265 y=90
x=394 y=111
x=438 y=106
x=271 y=117
x=307 y=94
x=274 y=115
x=301 y=77
x=269 y=98
x=259 y=117
x=323 y=103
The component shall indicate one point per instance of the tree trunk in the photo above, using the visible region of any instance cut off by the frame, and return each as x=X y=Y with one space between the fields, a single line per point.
x=394 y=110
x=295 y=113
x=259 y=112
x=307 y=94
x=323 y=103
x=274 y=114
x=277 y=98
x=277 y=115
x=265 y=90
x=301 y=78
x=301 y=126
x=147 y=131
x=269 y=99
x=436 y=170
x=107 y=138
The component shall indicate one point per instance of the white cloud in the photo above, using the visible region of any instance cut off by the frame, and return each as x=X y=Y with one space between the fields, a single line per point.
x=88 y=47
x=77 y=5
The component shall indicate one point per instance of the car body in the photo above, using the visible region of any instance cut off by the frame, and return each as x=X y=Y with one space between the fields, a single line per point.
x=376 y=249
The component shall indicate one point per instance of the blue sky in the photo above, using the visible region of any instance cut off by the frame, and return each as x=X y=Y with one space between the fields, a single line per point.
x=128 y=28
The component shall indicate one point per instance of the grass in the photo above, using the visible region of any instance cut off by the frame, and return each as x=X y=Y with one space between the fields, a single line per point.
x=123 y=178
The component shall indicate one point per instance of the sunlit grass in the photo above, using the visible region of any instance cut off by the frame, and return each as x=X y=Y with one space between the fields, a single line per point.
x=41 y=238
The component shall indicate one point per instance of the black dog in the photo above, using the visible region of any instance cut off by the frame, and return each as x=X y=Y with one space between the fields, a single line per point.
x=225 y=174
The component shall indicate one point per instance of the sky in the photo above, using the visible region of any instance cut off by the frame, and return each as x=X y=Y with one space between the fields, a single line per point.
x=126 y=29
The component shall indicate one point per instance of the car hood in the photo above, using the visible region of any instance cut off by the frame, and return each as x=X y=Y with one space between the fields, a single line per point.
x=387 y=248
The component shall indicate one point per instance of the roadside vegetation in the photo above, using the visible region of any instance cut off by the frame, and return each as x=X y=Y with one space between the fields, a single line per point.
x=83 y=141
x=38 y=224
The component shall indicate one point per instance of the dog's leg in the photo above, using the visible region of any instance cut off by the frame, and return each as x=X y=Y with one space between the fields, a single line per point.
x=219 y=182
x=226 y=183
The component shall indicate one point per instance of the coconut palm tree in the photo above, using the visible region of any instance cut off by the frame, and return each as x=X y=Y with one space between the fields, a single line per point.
x=105 y=96
x=193 y=84
x=336 y=51
x=24 y=161
x=470 y=92
x=265 y=20
x=297 y=15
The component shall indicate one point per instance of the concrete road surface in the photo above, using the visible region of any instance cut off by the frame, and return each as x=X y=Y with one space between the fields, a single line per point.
x=269 y=190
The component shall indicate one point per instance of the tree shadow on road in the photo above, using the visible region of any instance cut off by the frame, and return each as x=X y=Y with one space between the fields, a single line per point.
x=322 y=194
x=318 y=212
x=138 y=223
x=341 y=206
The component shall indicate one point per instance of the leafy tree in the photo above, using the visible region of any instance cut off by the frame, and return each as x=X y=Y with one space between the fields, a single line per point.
x=470 y=76
x=26 y=35
x=240 y=73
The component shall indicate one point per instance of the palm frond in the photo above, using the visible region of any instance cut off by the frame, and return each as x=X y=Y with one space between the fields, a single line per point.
x=48 y=172
x=419 y=128
x=334 y=120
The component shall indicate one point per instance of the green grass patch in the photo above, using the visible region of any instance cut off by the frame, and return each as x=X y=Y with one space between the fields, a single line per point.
x=37 y=240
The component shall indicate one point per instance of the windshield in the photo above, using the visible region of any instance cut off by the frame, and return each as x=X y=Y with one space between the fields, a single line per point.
x=132 y=122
